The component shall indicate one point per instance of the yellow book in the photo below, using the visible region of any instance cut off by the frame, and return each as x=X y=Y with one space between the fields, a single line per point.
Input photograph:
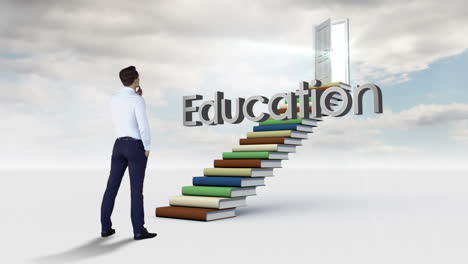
x=325 y=86
x=256 y=147
x=239 y=172
x=277 y=133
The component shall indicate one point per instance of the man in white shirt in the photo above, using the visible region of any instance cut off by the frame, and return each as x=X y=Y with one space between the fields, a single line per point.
x=131 y=148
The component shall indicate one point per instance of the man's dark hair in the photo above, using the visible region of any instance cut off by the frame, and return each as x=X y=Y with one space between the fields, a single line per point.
x=128 y=75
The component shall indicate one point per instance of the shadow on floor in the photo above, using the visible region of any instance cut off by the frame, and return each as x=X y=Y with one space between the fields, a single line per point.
x=310 y=204
x=93 y=248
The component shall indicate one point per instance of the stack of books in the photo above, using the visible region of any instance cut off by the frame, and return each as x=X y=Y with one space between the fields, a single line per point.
x=334 y=100
x=222 y=189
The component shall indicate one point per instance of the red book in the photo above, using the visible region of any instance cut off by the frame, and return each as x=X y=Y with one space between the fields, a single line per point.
x=195 y=213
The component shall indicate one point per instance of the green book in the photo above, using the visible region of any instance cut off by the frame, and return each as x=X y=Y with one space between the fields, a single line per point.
x=279 y=122
x=255 y=155
x=218 y=191
x=246 y=155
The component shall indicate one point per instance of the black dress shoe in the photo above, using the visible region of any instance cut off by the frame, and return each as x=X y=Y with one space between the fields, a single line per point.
x=107 y=233
x=144 y=235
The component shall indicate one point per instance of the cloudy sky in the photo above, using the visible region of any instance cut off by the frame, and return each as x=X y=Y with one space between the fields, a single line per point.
x=59 y=64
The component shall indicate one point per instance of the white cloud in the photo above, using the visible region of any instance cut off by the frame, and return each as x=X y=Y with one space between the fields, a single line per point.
x=361 y=142
x=69 y=54
x=187 y=39
x=425 y=115
x=459 y=131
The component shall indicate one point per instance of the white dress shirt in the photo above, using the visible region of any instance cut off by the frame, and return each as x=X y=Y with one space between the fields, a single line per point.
x=129 y=116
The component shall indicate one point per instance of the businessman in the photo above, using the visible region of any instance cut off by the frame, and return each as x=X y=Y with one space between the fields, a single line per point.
x=131 y=148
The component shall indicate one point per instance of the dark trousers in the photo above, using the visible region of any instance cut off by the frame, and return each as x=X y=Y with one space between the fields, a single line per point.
x=126 y=152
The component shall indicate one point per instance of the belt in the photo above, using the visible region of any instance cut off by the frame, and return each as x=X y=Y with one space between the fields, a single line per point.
x=127 y=138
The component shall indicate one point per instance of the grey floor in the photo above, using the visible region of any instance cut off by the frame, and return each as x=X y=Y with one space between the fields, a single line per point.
x=326 y=216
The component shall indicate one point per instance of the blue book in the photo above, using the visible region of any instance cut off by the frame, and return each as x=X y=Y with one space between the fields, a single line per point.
x=228 y=181
x=297 y=127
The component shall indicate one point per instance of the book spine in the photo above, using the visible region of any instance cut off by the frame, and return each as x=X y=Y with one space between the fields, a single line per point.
x=217 y=181
x=283 y=110
x=254 y=148
x=326 y=85
x=179 y=212
x=281 y=122
x=245 y=155
x=246 y=172
x=275 y=127
x=194 y=201
x=252 y=141
x=207 y=191
x=238 y=163
x=279 y=133
x=310 y=117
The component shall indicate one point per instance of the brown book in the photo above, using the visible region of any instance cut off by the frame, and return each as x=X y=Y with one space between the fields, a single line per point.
x=283 y=110
x=270 y=140
x=238 y=163
x=194 y=213
x=247 y=163
x=323 y=88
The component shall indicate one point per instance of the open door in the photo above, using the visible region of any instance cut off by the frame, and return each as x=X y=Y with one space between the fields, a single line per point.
x=322 y=51
x=332 y=51
x=340 y=51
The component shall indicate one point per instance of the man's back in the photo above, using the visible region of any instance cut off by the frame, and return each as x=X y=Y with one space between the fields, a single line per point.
x=129 y=116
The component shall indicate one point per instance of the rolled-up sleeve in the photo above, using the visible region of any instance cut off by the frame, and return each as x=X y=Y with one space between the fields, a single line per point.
x=143 y=125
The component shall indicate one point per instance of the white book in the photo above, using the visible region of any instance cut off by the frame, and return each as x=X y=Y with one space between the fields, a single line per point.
x=270 y=163
x=293 y=141
x=225 y=213
x=247 y=181
x=207 y=201
x=286 y=148
x=261 y=172
x=298 y=134
x=308 y=129
x=245 y=191
x=311 y=121
x=278 y=155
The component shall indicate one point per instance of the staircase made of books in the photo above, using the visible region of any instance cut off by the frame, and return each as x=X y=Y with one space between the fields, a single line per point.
x=222 y=189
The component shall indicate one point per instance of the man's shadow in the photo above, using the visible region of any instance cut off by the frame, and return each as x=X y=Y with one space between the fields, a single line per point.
x=93 y=248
